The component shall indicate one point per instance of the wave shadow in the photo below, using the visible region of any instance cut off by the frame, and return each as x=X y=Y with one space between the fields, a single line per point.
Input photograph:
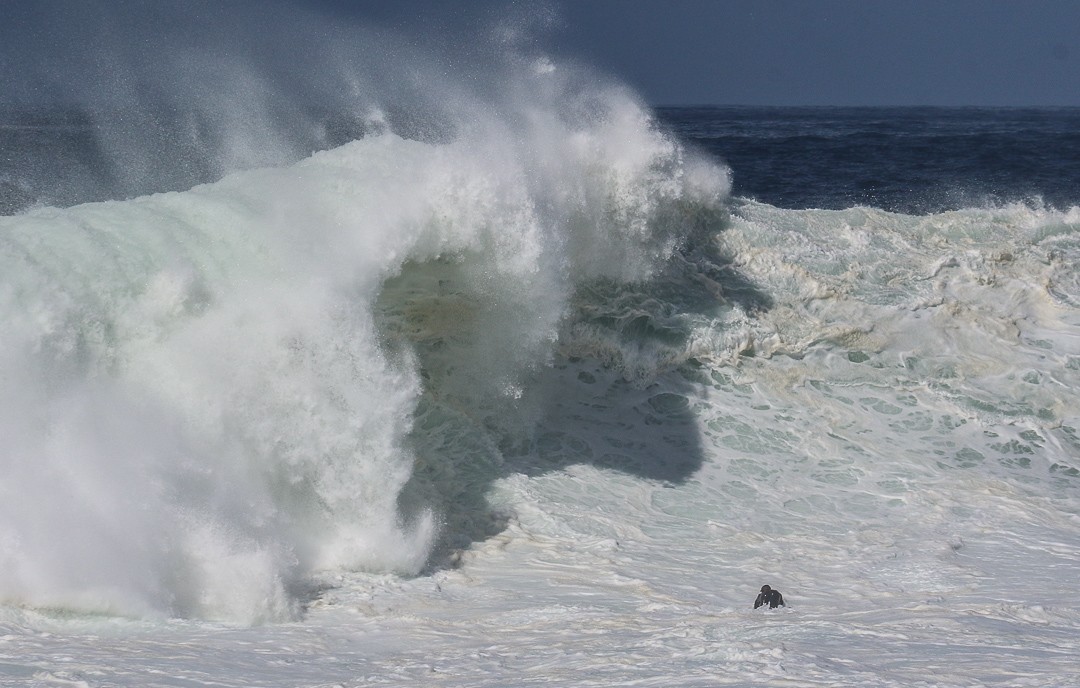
x=618 y=394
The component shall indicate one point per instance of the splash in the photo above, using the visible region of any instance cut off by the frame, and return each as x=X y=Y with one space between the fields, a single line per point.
x=210 y=394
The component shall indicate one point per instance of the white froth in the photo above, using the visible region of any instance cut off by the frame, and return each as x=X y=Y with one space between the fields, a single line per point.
x=202 y=403
x=914 y=498
x=532 y=404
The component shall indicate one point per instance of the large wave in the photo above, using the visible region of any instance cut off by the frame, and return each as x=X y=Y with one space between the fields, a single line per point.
x=210 y=394
x=295 y=362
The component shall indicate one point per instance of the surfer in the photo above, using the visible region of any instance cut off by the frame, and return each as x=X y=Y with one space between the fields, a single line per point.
x=768 y=596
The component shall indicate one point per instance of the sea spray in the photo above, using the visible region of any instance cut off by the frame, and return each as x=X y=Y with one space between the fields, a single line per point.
x=211 y=394
x=873 y=411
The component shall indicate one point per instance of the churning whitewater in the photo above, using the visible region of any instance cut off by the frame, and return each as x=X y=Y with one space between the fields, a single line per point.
x=210 y=394
x=505 y=387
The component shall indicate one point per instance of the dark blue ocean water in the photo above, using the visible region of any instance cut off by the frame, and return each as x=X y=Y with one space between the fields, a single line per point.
x=913 y=160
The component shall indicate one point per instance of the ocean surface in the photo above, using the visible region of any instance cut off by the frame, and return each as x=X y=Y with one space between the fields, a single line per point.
x=538 y=386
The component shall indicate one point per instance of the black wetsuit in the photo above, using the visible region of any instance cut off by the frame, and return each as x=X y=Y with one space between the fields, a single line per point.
x=773 y=598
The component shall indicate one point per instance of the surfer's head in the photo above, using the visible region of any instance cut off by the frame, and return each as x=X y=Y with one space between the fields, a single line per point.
x=766 y=588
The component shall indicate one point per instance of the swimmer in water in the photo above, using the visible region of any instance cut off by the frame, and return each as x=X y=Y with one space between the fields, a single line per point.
x=768 y=596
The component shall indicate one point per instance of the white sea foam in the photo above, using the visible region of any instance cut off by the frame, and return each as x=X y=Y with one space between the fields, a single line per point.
x=206 y=396
x=889 y=437
x=524 y=398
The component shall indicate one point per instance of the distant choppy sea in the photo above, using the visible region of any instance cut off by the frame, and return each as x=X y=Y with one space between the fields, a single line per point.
x=540 y=389
x=910 y=160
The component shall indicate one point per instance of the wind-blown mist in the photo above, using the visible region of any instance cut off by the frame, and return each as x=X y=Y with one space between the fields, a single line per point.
x=208 y=394
x=138 y=98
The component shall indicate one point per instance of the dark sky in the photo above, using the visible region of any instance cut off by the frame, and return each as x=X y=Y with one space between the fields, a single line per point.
x=749 y=52
x=812 y=52
x=837 y=52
